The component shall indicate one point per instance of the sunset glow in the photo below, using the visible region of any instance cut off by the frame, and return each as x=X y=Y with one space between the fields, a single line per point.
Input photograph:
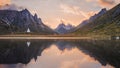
x=3 y=2
x=73 y=12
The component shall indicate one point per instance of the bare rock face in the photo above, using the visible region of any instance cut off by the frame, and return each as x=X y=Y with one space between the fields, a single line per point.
x=13 y=21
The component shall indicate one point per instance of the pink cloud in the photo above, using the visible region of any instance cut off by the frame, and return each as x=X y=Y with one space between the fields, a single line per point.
x=10 y=7
x=73 y=10
x=106 y=3
x=3 y=2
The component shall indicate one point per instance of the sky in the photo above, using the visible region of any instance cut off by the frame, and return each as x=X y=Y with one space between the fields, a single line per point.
x=69 y=11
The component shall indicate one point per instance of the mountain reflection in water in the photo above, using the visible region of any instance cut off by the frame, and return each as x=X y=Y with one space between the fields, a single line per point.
x=59 y=54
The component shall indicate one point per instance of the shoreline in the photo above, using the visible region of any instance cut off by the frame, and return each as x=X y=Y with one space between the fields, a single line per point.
x=47 y=38
x=58 y=37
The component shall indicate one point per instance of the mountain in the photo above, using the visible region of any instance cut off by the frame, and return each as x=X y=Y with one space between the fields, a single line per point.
x=63 y=29
x=103 y=23
x=13 y=21
x=92 y=18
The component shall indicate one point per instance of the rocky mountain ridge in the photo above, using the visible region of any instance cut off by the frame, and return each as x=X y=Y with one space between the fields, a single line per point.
x=13 y=21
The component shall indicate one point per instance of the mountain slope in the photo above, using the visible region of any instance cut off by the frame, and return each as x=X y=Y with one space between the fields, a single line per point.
x=106 y=24
x=92 y=18
x=13 y=21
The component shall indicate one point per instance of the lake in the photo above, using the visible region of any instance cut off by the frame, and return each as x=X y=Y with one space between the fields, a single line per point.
x=59 y=53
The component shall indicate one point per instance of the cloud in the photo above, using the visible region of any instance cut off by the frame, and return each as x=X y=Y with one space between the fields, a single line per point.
x=92 y=13
x=7 y=5
x=89 y=0
x=106 y=3
x=3 y=2
x=11 y=7
x=72 y=10
x=76 y=11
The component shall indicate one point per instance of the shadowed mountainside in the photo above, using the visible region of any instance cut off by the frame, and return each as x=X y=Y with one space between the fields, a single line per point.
x=13 y=21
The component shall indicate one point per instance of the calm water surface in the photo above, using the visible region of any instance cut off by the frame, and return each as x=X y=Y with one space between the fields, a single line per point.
x=59 y=54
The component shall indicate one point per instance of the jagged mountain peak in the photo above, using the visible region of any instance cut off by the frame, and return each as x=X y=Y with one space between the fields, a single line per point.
x=61 y=25
x=62 y=28
x=25 y=11
x=100 y=13
x=103 y=10
x=35 y=15
x=20 y=21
